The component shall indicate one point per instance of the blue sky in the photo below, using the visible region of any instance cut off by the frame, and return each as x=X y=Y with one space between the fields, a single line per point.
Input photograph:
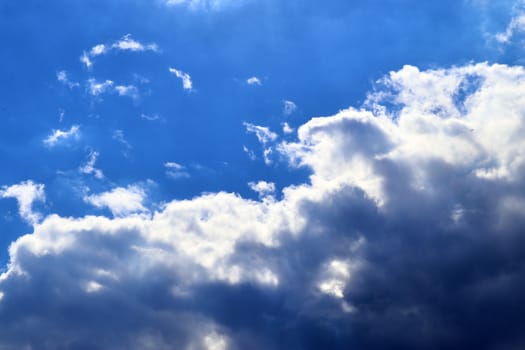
x=237 y=174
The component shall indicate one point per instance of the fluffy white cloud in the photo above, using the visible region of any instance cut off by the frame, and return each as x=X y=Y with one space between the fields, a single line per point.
x=401 y=203
x=120 y=201
x=263 y=188
x=185 y=77
x=253 y=81
x=58 y=136
x=25 y=193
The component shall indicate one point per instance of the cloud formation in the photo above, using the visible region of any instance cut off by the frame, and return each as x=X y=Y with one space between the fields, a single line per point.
x=126 y=43
x=184 y=77
x=407 y=235
x=25 y=194
x=58 y=136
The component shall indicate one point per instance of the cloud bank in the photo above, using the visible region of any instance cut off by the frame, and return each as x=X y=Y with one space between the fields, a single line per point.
x=408 y=234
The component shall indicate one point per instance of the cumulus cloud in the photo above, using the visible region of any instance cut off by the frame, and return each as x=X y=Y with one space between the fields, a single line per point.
x=25 y=193
x=263 y=188
x=126 y=43
x=184 y=77
x=412 y=219
x=253 y=81
x=120 y=201
x=58 y=136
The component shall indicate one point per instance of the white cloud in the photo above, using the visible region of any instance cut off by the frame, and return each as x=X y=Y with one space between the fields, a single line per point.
x=127 y=90
x=185 y=77
x=118 y=135
x=126 y=43
x=253 y=81
x=287 y=129
x=120 y=201
x=86 y=60
x=96 y=88
x=406 y=178
x=175 y=170
x=150 y=117
x=263 y=188
x=25 y=193
x=58 y=136
x=289 y=107
x=64 y=79
x=516 y=24
x=263 y=133
x=89 y=166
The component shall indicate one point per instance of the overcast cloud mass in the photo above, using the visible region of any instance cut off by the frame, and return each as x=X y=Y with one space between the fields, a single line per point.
x=356 y=184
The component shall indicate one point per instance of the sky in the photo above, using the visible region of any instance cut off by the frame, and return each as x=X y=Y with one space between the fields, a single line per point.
x=262 y=174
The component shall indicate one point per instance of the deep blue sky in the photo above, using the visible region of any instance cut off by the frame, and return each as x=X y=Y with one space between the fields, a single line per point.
x=177 y=143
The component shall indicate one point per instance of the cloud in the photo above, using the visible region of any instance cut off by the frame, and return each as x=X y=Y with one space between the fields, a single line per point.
x=263 y=188
x=185 y=77
x=25 y=193
x=253 y=81
x=126 y=43
x=287 y=129
x=96 y=88
x=289 y=107
x=120 y=201
x=263 y=133
x=58 y=136
x=64 y=79
x=127 y=90
x=515 y=26
x=89 y=166
x=412 y=219
x=175 y=171
x=203 y=4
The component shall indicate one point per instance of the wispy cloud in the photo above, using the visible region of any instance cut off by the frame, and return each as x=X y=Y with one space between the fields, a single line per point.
x=185 y=77
x=25 y=193
x=289 y=107
x=176 y=171
x=58 y=136
x=126 y=43
x=89 y=166
x=263 y=133
x=515 y=26
x=127 y=90
x=96 y=88
x=62 y=77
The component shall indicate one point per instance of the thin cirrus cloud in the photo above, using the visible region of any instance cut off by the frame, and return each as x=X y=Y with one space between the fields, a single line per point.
x=126 y=43
x=187 y=84
x=407 y=192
